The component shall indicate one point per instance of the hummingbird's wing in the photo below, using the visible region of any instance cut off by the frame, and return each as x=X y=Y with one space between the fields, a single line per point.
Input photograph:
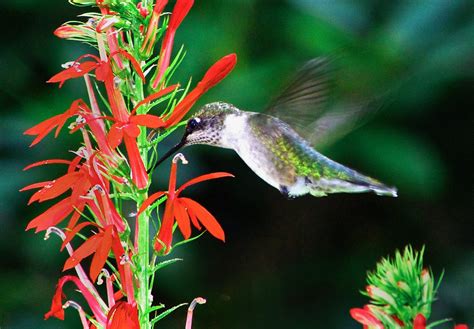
x=315 y=105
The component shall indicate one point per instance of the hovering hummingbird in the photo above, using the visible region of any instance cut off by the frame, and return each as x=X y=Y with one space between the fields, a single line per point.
x=277 y=144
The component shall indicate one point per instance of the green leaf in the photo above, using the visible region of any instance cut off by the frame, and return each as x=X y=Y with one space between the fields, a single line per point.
x=166 y=313
x=166 y=263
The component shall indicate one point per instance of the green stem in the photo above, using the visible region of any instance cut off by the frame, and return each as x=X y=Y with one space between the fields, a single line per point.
x=143 y=244
x=143 y=272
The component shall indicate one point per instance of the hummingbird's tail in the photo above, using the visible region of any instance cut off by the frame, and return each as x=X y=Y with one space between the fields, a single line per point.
x=381 y=189
x=347 y=180
x=325 y=186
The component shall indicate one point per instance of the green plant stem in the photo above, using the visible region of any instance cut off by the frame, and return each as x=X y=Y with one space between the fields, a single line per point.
x=143 y=272
x=143 y=251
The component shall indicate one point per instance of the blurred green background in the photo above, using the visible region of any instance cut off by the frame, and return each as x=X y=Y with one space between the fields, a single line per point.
x=286 y=264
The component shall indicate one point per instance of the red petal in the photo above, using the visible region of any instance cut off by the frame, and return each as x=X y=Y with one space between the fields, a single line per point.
x=46 y=162
x=52 y=216
x=165 y=234
x=154 y=96
x=206 y=218
x=147 y=120
x=219 y=71
x=104 y=73
x=214 y=75
x=101 y=254
x=56 y=306
x=80 y=188
x=180 y=10
x=461 y=326
x=58 y=187
x=419 y=322
x=151 y=199
x=139 y=174
x=75 y=71
x=35 y=185
x=115 y=136
x=366 y=317
x=123 y=316
x=85 y=250
x=182 y=218
x=194 y=219
x=72 y=233
x=43 y=128
x=131 y=130
x=74 y=164
x=202 y=179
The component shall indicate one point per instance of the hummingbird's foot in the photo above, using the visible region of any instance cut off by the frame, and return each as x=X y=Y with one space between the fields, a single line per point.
x=286 y=193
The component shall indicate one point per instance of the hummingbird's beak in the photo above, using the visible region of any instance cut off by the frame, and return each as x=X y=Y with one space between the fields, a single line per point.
x=172 y=150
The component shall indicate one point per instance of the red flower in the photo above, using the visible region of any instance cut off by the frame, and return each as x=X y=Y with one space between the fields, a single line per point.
x=180 y=11
x=76 y=70
x=419 y=322
x=104 y=74
x=80 y=178
x=129 y=131
x=213 y=76
x=123 y=316
x=184 y=210
x=98 y=244
x=125 y=121
x=78 y=107
x=366 y=318
x=72 y=31
x=461 y=326
x=57 y=304
x=150 y=37
x=42 y=129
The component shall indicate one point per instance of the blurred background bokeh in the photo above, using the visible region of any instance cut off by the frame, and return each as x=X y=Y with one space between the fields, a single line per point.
x=285 y=264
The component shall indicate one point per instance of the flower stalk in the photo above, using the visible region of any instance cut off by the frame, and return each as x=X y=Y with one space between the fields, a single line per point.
x=116 y=160
x=401 y=293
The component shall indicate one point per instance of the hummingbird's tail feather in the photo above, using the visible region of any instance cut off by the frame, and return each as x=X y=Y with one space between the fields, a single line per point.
x=358 y=184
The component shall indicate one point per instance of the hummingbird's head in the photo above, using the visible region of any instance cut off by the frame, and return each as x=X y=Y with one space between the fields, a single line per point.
x=205 y=127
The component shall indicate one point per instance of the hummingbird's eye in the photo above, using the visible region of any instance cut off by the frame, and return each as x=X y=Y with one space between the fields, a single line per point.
x=193 y=123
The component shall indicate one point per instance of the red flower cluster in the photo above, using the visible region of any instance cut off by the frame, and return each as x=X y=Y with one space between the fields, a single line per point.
x=100 y=174
x=367 y=317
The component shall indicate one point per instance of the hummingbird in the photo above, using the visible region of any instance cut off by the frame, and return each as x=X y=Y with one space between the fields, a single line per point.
x=279 y=143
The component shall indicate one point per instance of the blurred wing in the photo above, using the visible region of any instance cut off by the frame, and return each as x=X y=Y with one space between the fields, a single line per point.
x=305 y=98
x=314 y=107
x=335 y=124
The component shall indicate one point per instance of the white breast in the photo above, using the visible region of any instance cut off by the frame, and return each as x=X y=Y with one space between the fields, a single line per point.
x=237 y=135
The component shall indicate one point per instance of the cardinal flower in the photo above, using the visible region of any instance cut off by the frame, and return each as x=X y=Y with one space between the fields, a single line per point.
x=213 y=76
x=57 y=310
x=180 y=11
x=184 y=210
x=123 y=315
x=99 y=244
x=150 y=37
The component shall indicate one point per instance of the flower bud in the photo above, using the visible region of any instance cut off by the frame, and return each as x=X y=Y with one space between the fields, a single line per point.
x=379 y=294
x=83 y=2
x=74 y=32
x=144 y=12
x=427 y=291
x=404 y=287
x=419 y=322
